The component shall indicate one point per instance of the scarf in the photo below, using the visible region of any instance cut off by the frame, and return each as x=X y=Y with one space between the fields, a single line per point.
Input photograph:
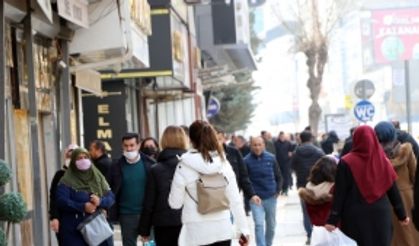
x=371 y=169
x=91 y=180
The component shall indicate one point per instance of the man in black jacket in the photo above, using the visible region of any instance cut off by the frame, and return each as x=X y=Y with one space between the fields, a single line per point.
x=306 y=155
x=239 y=167
x=128 y=181
x=284 y=150
x=100 y=158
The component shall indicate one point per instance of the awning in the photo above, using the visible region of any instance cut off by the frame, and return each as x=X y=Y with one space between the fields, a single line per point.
x=242 y=56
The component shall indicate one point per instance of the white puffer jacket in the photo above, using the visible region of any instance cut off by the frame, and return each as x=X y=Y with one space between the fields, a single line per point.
x=199 y=229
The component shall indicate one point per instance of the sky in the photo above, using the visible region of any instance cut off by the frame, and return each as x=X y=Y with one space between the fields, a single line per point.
x=275 y=76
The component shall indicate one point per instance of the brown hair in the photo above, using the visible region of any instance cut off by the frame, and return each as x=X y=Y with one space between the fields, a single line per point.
x=324 y=170
x=204 y=139
x=174 y=137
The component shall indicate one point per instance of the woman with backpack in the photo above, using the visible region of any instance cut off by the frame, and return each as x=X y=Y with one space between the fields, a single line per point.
x=204 y=163
x=156 y=211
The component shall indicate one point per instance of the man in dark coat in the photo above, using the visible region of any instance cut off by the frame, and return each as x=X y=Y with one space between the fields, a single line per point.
x=306 y=155
x=242 y=145
x=331 y=139
x=128 y=181
x=100 y=157
x=348 y=143
x=239 y=167
x=269 y=144
x=284 y=149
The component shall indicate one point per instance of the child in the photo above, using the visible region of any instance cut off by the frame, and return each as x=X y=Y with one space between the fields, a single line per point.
x=317 y=194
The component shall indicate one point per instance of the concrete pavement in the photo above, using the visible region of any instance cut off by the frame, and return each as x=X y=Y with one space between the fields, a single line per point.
x=289 y=229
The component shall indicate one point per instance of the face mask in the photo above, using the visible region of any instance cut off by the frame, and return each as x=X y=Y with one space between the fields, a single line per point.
x=67 y=162
x=83 y=164
x=131 y=155
x=150 y=151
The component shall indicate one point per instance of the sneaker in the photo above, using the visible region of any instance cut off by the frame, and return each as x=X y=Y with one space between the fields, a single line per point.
x=308 y=241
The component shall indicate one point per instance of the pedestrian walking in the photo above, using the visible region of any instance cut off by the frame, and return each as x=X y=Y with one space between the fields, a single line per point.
x=54 y=215
x=405 y=137
x=347 y=146
x=240 y=170
x=404 y=163
x=101 y=160
x=284 y=149
x=304 y=158
x=157 y=212
x=206 y=157
x=103 y=163
x=128 y=181
x=266 y=180
x=81 y=191
x=242 y=145
x=365 y=188
x=269 y=144
x=328 y=144
x=150 y=147
x=318 y=193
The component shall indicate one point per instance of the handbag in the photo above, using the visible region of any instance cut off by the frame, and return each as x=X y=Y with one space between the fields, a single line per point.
x=211 y=191
x=95 y=228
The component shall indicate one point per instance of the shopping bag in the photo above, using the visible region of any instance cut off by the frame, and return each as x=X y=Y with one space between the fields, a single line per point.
x=322 y=237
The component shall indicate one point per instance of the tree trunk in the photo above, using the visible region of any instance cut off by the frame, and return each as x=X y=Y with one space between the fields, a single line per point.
x=316 y=61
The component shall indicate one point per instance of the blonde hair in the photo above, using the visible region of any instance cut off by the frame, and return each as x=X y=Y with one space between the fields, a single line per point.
x=174 y=137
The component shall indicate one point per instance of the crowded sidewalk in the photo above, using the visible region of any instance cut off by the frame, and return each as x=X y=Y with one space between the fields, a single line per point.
x=289 y=229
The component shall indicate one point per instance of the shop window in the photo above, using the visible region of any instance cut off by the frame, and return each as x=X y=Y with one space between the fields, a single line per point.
x=44 y=61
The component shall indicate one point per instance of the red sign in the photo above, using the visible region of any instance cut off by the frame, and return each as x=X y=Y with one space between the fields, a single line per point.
x=395 y=34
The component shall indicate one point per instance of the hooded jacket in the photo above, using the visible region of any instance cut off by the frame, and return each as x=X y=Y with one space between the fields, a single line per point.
x=318 y=200
x=156 y=209
x=199 y=228
x=304 y=158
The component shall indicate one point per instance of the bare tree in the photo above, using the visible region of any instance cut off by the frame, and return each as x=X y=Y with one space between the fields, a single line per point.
x=312 y=22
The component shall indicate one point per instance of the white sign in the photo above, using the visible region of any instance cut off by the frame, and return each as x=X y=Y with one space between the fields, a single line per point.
x=89 y=80
x=364 y=111
x=75 y=11
x=46 y=8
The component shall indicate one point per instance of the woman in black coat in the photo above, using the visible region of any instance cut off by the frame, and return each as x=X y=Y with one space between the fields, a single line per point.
x=156 y=210
x=365 y=190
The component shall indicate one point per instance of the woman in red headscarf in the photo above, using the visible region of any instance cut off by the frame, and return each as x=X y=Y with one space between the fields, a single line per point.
x=365 y=189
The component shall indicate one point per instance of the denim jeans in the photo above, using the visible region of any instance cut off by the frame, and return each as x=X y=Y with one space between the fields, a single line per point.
x=308 y=227
x=129 y=228
x=264 y=214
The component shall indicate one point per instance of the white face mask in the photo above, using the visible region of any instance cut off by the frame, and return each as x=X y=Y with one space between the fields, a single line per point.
x=67 y=162
x=131 y=155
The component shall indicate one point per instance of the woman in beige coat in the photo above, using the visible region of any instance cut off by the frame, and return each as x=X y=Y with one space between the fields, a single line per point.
x=404 y=163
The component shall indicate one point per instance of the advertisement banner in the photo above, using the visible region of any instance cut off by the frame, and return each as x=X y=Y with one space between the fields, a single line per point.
x=104 y=118
x=395 y=35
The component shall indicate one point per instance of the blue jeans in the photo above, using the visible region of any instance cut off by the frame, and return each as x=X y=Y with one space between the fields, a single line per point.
x=308 y=227
x=264 y=214
x=129 y=228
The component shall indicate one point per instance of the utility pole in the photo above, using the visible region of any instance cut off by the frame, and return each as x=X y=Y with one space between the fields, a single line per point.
x=37 y=228
x=408 y=99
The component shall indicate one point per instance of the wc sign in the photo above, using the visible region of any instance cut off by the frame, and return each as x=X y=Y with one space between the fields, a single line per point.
x=364 y=111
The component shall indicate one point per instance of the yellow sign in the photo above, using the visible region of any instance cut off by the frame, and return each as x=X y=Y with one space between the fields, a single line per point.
x=349 y=103
x=177 y=46
x=141 y=15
